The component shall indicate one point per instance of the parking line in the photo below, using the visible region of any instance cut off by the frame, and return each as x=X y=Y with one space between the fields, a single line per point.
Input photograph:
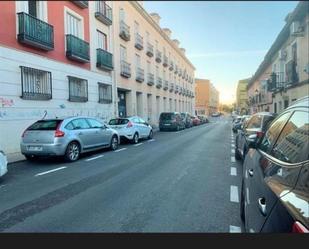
x=232 y=151
x=234 y=194
x=49 y=171
x=137 y=144
x=93 y=158
x=233 y=145
x=233 y=159
x=151 y=140
x=120 y=150
x=235 y=229
x=233 y=171
x=1 y=186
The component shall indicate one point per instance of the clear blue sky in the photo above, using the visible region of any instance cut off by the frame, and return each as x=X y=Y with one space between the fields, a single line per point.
x=225 y=41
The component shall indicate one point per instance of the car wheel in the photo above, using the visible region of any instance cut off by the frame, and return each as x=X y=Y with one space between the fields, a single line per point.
x=150 y=135
x=72 y=152
x=31 y=157
x=135 y=138
x=242 y=202
x=114 y=143
x=237 y=155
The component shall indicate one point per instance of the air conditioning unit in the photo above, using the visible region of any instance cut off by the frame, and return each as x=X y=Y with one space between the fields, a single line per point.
x=296 y=29
x=282 y=54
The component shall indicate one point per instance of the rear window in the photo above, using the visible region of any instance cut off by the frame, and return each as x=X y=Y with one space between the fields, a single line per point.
x=45 y=125
x=167 y=116
x=118 y=121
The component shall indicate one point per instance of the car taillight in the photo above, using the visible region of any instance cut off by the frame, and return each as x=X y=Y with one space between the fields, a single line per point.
x=129 y=124
x=299 y=228
x=59 y=133
x=259 y=134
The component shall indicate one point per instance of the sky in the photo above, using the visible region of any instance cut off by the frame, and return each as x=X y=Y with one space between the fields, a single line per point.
x=225 y=40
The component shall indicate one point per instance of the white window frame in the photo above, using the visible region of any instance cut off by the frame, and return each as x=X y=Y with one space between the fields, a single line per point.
x=74 y=14
x=99 y=32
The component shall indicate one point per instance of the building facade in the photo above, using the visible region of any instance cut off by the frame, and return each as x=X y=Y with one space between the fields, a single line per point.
x=152 y=72
x=283 y=76
x=242 y=97
x=206 y=97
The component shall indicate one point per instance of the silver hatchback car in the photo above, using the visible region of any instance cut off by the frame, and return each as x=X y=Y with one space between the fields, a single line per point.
x=68 y=137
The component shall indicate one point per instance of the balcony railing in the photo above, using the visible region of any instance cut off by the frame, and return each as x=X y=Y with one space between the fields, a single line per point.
x=165 y=61
x=77 y=49
x=124 y=31
x=171 y=67
x=176 y=89
x=159 y=82
x=158 y=56
x=104 y=60
x=140 y=75
x=81 y=4
x=149 y=51
x=171 y=87
x=150 y=79
x=139 y=43
x=125 y=69
x=104 y=13
x=35 y=32
x=180 y=90
x=165 y=85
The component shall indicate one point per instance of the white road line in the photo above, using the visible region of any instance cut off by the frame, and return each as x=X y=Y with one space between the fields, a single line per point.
x=235 y=229
x=93 y=158
x=233 y=159
x=120 y=150
x=233 y=145
x=151 y=140
x=233 y=171
x=1 y=186
x=232 y=151
x=234 y=194
x=137 y=144
x=49 y=171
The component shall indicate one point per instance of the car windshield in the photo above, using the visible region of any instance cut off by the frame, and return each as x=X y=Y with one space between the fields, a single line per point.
x=118 y=121
x=167 y=116
x=45 y=125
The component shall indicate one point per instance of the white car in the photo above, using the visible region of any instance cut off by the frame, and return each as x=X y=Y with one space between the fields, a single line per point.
x=3 y=163
x=132 y=128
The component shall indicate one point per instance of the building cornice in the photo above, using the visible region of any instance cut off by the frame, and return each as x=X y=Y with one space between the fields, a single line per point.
x=147 y=17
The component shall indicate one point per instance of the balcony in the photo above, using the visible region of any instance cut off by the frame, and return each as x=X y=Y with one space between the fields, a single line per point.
x=159 y=82
x=171 y=87
x=104 y=13
x=139 y=43
x=125 y=69
x=149 y=51
x=158 y=56
x=171 y=68
x=176 y=69
x=124 y=31
x=165 y=61
x=165 y=85
x=81 y=4
x=150 y=79
x=35 y=32
x=180 y=90
x=77 y=49
x=176 y=89
x=104 y=60
x=139 y=75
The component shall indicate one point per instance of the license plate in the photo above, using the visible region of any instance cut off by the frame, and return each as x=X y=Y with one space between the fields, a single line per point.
x=167 y=124
x=35 y=148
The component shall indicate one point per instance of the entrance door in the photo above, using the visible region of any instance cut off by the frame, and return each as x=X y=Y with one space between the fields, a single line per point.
x=122 y=109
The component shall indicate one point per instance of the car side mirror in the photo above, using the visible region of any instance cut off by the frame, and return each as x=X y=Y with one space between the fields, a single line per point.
x=252 y=141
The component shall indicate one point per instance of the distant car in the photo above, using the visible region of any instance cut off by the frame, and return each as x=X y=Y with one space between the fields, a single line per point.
x=254 y=127
x=187 y=119
x=275 y=185
x=3 y=163
x=236 y=123
x=171 y=121
x=216 y=114
x=132 y=128
x=196 y=121
x=68 y=137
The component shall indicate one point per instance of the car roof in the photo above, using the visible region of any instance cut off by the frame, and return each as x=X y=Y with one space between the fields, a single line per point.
x=302 y=102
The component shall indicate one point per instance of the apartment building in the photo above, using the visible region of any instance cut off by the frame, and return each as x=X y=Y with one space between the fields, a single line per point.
x=55 y=60
x=241 y=96
x=283 y=76
x=152 y=72
x=206 y=97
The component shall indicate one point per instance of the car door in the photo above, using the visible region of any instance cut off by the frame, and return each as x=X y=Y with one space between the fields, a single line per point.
x=145 y=127
x=83 y=131
x=137 y=126
x=101 y=134
x=258 y=167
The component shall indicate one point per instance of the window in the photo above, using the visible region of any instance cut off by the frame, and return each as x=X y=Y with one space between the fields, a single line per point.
x=102 y=40
x=123 y=53
x=45 y=125
x=78 y=89
x=69 y=126
x=255 y=122
x=137 y=61
x=148 y=67
x=94 y=123
x=36 y=84
x=292 y=144
x=80 y=123
x=73 y=25
x=147 y=36
x=136 y=27
x=105 y=93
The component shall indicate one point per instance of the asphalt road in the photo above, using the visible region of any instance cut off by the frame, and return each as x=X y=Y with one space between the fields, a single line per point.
x=185 y=181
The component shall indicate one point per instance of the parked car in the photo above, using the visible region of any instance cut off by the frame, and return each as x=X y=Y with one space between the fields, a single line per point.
x=186 y=117
x=196 y=121
x=132 y=128
x=203 y=119
x=171 y=121
x=254 y=127
x=68 y=137
x=216 y=114
x=275 y=183
x=239 y=121
x=3 y=163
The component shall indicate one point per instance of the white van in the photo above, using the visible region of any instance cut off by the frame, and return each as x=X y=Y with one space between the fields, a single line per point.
x=3 y=163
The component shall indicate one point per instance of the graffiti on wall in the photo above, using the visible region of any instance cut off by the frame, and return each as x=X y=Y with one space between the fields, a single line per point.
x=4 y=102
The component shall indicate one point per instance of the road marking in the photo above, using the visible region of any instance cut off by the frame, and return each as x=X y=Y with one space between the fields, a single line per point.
x=120 y=150
x=233 y=171
x=232 y=151
x=151 y=140
x=234 y=194
x=233 y=145
x=1 y=186
x=233 y=159
x=49 y=171
x=137 y=144
x=93 y=158
x=235 y=229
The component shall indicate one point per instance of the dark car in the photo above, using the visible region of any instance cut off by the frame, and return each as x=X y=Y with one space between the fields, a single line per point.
x=275 y=183
x=171 y=121
x=238 y=122
x=254 y=127
x=186 y=117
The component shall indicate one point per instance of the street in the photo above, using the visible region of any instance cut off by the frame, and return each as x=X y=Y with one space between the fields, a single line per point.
x=186 y=181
